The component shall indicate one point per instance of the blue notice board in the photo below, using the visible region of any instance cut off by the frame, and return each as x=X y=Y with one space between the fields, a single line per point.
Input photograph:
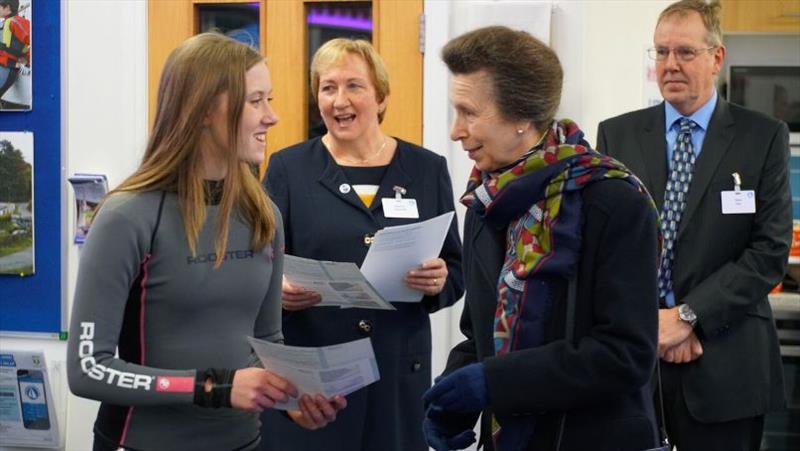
x=34 y=303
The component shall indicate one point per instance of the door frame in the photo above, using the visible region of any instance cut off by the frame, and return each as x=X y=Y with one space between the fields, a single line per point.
x=395 y=36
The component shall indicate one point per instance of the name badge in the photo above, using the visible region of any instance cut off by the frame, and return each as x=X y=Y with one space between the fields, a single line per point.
x=400 y=208
x=738 y=202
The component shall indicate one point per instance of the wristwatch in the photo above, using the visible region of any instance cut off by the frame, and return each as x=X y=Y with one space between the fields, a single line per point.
x=685 y=313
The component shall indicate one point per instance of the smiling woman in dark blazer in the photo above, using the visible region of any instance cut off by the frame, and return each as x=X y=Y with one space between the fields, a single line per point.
x=328 y=190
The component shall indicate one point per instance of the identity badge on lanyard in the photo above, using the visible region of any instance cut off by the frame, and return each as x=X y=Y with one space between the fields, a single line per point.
x=738 y=201
x=399 y=207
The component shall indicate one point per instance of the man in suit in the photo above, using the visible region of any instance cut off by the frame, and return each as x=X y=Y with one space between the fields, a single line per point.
x=719 y=175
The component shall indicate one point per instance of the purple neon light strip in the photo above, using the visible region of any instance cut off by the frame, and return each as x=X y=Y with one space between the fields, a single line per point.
x=353 y=23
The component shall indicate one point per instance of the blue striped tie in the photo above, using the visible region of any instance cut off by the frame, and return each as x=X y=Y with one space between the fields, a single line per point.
x=680 y=177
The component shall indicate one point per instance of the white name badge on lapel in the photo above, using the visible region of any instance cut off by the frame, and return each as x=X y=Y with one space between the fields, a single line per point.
x=738 y=202
x=399 y=207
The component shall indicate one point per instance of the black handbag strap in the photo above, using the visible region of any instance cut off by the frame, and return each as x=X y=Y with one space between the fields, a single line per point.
x=569 y=336
x=662 y=424
x=572 y=292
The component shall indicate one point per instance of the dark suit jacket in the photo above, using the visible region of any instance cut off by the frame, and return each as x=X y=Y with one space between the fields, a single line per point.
x=601 y=381
x=724 y=264
x=323 y=223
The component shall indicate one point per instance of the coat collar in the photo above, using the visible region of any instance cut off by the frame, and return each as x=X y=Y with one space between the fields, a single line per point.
x=397 y=174
x=334 y=180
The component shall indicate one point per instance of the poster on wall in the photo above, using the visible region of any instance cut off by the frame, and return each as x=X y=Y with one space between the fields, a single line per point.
x=16 y=204
x=16 y=69
x=90 y=189
x=27 y=414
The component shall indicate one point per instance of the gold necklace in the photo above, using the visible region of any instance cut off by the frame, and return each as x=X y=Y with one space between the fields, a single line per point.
x=351 y=160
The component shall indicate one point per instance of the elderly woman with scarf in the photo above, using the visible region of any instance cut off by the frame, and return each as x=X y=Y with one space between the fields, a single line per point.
x=560 y=261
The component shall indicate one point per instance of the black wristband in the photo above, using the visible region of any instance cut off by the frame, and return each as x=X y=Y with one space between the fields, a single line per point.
x=201 y=397
x=221 y=384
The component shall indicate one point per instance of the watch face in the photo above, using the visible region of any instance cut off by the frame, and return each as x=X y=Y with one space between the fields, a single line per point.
x=686 y=314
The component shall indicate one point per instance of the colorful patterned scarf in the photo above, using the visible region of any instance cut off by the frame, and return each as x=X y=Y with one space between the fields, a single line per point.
x=538 y=200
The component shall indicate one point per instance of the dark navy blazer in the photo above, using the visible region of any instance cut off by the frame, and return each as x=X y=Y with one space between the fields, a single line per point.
x=325 y=223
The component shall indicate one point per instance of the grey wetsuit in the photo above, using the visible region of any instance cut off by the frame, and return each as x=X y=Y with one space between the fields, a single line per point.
x=168 y=313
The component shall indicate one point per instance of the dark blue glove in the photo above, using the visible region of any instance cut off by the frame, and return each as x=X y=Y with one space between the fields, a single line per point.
x=464 y=390
x=442 y=435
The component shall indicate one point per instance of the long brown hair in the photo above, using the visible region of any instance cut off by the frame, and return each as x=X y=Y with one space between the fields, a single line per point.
x=194 y=75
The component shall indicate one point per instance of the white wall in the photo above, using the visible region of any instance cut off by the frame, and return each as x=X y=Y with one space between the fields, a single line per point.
x=600 y=43
x=617 y=35
x=105 y=107
x=106 y=123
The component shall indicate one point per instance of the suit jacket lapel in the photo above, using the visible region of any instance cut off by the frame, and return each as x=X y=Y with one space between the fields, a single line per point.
x=718 y=138
x=652 y=146
x=396 y=175
x=333 y=179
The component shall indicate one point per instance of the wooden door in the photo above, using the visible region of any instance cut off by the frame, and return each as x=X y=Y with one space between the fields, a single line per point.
x=283 y=37
x=761 y=16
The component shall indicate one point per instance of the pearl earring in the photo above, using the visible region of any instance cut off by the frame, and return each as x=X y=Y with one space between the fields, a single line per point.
x=520 y=131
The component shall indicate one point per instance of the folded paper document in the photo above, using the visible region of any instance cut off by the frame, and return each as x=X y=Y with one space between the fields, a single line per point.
x=340 y=284
x=329 y=370
x=394 y=251
x=398 y=249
